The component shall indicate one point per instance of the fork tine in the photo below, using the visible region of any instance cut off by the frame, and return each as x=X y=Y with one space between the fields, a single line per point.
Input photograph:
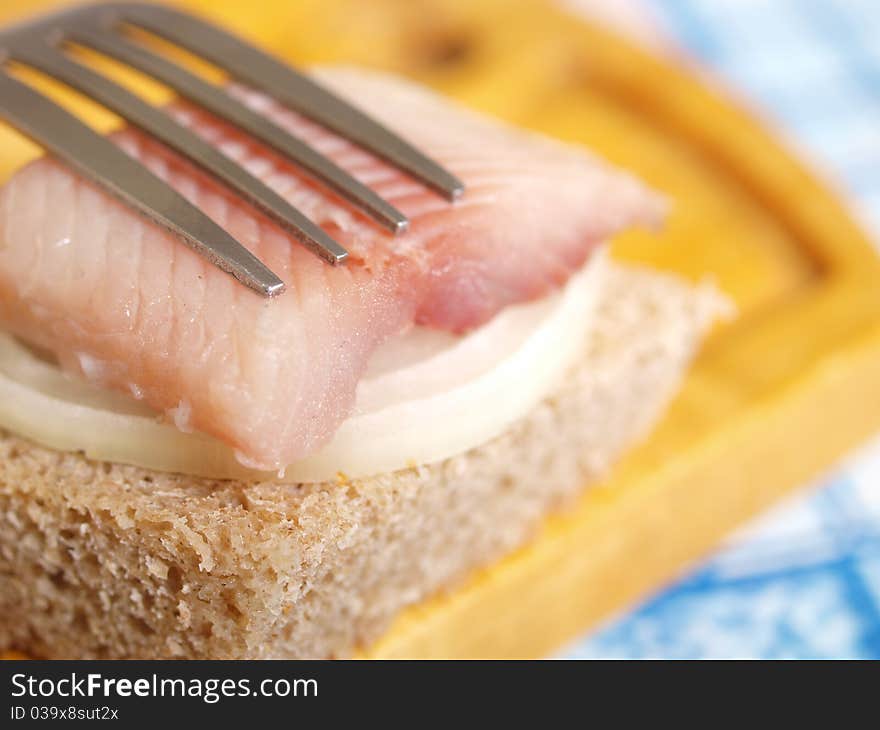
x=260 y=70
x=153 y=121
x=108 y=166
x=224 y=106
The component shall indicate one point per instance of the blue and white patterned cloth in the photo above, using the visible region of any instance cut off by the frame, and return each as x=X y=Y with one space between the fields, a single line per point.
x=804 y=581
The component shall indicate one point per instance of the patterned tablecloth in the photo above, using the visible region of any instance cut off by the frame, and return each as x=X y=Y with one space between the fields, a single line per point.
x=804 y=581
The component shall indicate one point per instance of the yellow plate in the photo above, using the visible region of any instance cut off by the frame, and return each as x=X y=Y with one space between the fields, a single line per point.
x=772 y=400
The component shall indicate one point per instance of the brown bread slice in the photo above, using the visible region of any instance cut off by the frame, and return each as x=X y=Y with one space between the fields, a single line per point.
x=111 y=561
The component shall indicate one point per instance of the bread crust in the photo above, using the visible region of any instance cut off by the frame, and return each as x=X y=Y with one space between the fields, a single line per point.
x=101 y=560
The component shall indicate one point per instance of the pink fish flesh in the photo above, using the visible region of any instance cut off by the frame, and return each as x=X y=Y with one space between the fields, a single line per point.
x=130 y=307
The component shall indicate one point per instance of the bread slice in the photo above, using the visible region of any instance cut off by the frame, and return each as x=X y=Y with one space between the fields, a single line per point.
x=109 y=561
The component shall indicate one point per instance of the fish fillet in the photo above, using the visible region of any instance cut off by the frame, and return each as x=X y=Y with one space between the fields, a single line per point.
x=127 y=305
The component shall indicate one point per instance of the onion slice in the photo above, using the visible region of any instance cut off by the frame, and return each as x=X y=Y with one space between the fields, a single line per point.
x=426 y=396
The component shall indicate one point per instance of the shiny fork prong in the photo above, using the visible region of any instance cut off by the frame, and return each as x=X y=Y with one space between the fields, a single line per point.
x=188 y=144
x=39 y=44
x=290 y=88
x=225 y=107
x=105 y=164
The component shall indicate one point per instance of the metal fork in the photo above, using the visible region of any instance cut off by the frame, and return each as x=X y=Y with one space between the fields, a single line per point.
x=43 y=45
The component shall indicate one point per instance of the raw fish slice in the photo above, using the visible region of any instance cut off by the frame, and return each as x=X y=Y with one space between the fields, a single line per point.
x=129 y=306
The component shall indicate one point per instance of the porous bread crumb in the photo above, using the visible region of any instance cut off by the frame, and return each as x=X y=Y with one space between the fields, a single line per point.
x=100 y=560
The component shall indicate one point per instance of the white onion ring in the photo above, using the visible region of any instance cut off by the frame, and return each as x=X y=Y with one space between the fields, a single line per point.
x=427 y=396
